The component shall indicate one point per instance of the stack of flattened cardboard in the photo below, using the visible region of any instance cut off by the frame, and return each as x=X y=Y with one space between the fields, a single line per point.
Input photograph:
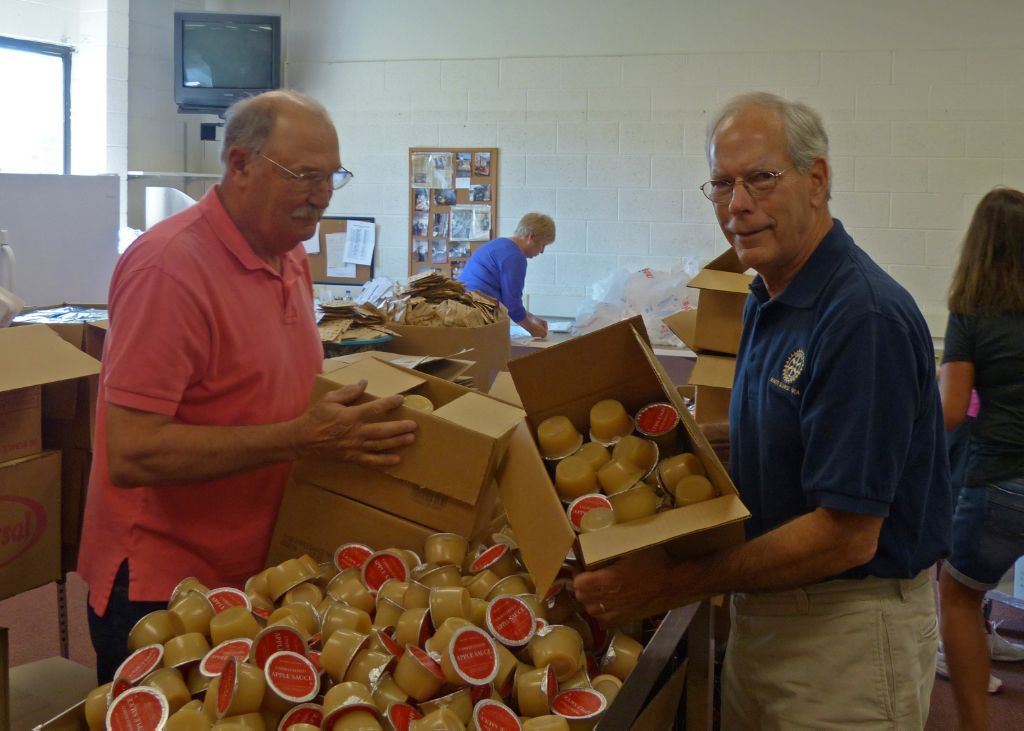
x=444 y=482
x=345 y=321
x=713 y=332
x=434 y=315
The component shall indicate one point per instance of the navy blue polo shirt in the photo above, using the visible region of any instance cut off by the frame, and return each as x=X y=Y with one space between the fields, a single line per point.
x=835 y=404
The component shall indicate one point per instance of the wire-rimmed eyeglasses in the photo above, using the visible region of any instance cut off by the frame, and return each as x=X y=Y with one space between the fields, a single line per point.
x=336 y=178
x=758 y=184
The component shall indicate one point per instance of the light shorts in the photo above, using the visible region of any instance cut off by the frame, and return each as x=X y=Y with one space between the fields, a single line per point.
x=835 y=655
x=988 y=533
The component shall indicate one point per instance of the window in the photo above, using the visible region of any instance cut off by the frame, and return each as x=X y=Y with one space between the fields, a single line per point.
x=35 y=123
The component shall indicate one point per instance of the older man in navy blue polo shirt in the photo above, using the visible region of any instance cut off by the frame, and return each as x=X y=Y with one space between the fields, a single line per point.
x=837 y=448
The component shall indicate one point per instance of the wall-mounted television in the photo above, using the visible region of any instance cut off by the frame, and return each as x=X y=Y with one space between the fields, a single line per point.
x=220 y=58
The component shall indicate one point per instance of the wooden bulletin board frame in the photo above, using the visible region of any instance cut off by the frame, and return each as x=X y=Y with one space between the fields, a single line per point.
x=423 y=255
x=318 y=262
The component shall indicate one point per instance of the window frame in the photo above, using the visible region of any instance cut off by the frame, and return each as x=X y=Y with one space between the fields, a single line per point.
x=64 y=53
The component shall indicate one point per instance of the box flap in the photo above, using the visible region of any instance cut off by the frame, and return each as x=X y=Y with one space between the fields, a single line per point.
x=684 y=326
x=504 y=388
x=542 y=529
x=482 y=414
x=721 y=281
x=727 y=261
x=31 y=355
x=715 y=371
x=382 y=379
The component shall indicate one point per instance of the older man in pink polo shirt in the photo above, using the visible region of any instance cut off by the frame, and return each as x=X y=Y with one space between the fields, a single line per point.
x=207 y=373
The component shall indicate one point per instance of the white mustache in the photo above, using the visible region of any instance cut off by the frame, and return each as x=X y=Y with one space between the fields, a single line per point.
x=308 y=211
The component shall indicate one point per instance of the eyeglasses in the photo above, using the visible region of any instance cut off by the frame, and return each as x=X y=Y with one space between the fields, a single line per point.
x=758 y=183
x=336 y=178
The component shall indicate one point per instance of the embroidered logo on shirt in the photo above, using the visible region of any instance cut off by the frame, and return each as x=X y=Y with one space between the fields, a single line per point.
x=791 y=370
x=794 y=366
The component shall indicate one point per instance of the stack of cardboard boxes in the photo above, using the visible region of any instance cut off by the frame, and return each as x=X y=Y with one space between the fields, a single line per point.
x=45 y=413
x=712 y=331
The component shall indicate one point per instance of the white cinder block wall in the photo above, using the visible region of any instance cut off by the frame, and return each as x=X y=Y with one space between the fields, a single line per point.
x=599 y=107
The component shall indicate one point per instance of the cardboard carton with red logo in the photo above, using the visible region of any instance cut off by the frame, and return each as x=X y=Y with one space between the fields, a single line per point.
x=29 y=522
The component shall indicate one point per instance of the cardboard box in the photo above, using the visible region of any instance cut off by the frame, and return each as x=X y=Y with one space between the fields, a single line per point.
x=29 y=523
x=316 y=521
x=449 y=369
x=31 y=356
x=47 y=695
x=712 y=374
x=458 y=448
x=489 y=346
x=613 y=362
x=723 y=289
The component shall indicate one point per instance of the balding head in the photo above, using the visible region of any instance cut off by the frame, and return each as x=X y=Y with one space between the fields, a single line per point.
x=250 y=122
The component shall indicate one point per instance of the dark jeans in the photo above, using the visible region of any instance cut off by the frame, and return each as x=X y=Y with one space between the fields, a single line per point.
x=109 y=633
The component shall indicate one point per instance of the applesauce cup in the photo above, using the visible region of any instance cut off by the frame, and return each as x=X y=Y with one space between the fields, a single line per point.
x=609 y=422
x=445 y=548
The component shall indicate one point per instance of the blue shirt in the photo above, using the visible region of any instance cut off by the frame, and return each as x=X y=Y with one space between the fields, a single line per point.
x=835 y=404
x=498 y=269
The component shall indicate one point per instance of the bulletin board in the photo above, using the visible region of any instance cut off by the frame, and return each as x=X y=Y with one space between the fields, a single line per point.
x=453 y=206
x=318 y=262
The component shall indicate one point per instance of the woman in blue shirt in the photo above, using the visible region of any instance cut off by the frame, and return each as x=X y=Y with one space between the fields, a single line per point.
x=498 y=268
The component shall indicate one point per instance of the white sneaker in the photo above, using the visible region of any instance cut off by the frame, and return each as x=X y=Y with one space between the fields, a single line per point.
x=942 y=670
x=1002 y=650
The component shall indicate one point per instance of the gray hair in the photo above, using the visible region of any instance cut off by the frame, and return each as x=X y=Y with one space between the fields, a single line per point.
x=250 y=121
x=539 y=224
x=806 y=138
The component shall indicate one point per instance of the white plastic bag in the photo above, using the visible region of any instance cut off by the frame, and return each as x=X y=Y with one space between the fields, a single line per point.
x=649 y=293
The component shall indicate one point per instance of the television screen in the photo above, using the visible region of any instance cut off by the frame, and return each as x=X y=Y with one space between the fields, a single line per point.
x=220 y=58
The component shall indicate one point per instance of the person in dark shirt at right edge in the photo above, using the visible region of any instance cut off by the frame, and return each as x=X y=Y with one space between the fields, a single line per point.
x=984 y=350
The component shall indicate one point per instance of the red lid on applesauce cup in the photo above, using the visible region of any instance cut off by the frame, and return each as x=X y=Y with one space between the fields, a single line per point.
x=551 y=685
x=227 y=687
x=225 y=597
x=388 y=642
x=138 y=709
x=135 y=667
x=351 y=556
x=491 y=715
x=656 y=419
x=474 y=656
x=424 y=659
x=310 y=713
x=401 y=716
x=276 y=638
x=382 y=566
x=510 y=620
x=215 y=660
x=314 y=657
x=579 y=703
x=292 y=676
x=488 y=558
x=583 y=505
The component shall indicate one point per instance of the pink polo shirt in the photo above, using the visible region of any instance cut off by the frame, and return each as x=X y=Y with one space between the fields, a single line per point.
x=202 y=330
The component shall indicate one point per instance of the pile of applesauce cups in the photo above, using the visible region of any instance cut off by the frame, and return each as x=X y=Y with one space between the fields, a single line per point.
x=631 y=467
x=457 y=639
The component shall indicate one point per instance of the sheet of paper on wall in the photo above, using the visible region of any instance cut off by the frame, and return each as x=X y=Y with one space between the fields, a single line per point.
x=312 y=244
x=462 y=183
x=336 y=266
x=359 y=242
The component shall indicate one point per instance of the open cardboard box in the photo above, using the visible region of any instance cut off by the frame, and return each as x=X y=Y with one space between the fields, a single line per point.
x=488 y=346
x=723 y=286
x=568 y=378
x=446 y=478
x=32 y=356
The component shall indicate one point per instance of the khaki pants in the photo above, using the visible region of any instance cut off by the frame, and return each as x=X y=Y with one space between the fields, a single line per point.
x=841 y=654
